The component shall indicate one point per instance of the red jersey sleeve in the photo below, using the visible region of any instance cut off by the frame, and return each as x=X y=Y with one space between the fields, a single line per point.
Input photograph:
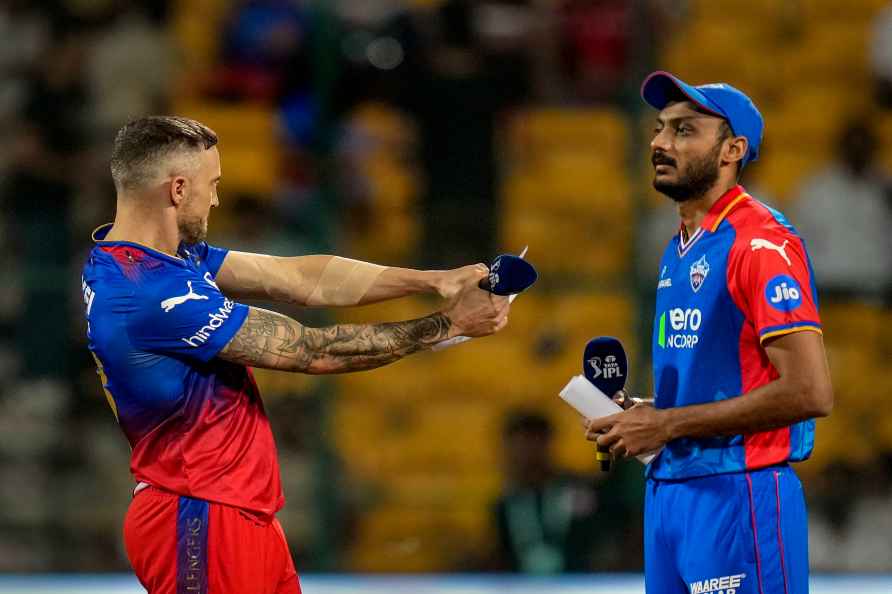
x=770 y=277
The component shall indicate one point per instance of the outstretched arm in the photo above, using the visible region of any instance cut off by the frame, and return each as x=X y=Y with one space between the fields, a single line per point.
x=271 y=340
x=332 y=281
x=274 y=341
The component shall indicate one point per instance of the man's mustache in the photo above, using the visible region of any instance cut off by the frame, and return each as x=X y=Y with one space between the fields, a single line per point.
x=661 y=159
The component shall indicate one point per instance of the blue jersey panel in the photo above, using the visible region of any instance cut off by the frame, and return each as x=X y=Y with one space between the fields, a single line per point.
x=696 y=357
x=154 y=321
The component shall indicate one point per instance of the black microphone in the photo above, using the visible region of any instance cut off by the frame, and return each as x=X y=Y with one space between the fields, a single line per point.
x=604 y=364
x=509 y=275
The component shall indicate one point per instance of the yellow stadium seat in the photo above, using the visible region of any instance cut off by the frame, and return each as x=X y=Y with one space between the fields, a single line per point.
x=590 y=246
x=818 y=12
x=393 y=186
x=386 y=125
x=196 y=26
x=392 y=238
x=854 y=324
x=730 y=12
x=835 y=52
x=684 y=55
x=427 y=428
x=234 y=123
x=787 y=130
x=559 y=191
x=597 y=131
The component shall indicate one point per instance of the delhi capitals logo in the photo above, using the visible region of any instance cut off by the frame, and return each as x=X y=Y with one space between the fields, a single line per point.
x=699 y=272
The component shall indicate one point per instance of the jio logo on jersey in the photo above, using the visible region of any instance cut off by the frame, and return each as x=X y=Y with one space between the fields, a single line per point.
x=783 y=293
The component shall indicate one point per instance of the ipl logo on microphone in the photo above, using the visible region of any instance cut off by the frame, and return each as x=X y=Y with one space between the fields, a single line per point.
x=494 y=273
x=609 y=367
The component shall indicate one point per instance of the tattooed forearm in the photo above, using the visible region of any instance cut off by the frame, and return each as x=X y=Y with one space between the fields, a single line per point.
x=271 y=340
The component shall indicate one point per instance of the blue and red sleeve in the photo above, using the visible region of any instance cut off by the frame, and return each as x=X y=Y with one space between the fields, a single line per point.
x=770 y=278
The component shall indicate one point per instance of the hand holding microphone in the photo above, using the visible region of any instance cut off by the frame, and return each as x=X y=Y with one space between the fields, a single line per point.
x=508 y=275
x=605 y=368
x=605 y=365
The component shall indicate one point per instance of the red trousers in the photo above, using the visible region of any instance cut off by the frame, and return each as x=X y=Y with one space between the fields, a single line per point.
x=180 y=545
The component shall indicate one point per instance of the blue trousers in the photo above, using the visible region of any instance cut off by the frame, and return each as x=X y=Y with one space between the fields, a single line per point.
x=738 y=533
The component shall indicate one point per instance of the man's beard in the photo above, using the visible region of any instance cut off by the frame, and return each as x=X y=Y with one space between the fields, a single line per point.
x=193 y=229
x=696 y=179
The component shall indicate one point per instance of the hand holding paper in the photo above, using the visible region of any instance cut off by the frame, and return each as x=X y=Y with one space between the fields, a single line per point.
x=592 y=403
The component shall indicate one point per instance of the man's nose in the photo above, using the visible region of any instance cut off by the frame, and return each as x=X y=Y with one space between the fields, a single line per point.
x=661 y=141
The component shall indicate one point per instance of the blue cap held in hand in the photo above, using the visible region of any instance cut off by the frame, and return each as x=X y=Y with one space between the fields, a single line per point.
x=508 y=275
x=719 y=99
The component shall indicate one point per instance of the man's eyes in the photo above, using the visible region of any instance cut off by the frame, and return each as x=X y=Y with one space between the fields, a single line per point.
x=682 y=130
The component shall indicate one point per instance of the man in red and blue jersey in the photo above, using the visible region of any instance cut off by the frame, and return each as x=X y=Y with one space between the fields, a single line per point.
x=174 y=351
x=739 y=365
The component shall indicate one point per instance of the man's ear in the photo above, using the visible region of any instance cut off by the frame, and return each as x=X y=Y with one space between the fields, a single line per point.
x=735 y=149
x=178 y=188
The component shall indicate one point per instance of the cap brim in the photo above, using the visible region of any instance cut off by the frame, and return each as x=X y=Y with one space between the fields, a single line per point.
x=661 y=87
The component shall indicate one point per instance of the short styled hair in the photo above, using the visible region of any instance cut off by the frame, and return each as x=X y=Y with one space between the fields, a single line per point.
x=142 y=144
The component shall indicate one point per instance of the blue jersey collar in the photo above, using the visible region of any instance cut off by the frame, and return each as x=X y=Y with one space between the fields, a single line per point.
x=101 y=231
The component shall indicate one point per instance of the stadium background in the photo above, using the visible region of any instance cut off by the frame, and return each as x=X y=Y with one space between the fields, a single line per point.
x=432 y=133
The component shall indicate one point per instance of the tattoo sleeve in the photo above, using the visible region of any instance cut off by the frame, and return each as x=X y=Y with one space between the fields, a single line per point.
x=274 y=341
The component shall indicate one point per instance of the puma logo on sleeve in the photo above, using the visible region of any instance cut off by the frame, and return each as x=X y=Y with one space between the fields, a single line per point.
x=758 y=244
x=170 y=303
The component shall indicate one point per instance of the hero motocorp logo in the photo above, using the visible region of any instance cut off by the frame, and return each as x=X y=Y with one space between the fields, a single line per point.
x=682 y=330
x=783 y=293
x=215 y=320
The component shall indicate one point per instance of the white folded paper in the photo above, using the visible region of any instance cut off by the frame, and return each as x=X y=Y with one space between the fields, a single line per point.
x=592 y=403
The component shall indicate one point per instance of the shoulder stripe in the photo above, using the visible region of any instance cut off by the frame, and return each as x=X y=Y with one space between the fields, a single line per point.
x=724 y=213
x=790 y=329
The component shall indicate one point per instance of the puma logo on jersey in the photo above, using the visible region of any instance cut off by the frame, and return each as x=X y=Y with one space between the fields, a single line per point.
x=168 y=304
x=763 y=244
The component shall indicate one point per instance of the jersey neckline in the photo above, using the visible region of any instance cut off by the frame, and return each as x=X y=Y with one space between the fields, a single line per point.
x=719 y=211
x=98 y=237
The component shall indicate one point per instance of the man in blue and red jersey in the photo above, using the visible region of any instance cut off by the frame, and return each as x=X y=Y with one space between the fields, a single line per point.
x=739 y=365
x=174 y=349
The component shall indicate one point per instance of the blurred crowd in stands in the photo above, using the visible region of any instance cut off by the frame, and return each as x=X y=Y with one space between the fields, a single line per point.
x=457 y=73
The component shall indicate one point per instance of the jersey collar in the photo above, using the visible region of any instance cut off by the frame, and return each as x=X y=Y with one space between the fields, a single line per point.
x=717 y=213
x=723 y=207
x=101 y=231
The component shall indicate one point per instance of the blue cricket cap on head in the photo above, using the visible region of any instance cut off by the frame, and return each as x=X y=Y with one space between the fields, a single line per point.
x=719 y=99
